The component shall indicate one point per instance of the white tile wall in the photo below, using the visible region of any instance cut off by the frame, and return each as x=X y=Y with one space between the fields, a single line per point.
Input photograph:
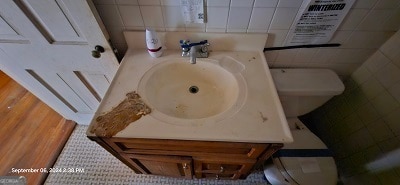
x=305 y=54
x=361 y=75
x=283 y=18
x=286 y=57
x=391 y=49
x=367 y=39
x=376 y=62
x=152 y=16
x=192 y=27
x=218 y=2
x=341 y=36
x=261 y=19
x=364 y=120
x=395 y=92
x=149 y=2
x=323 y=55
x=239 y=18
x=265 y=3
x=388 y=75
x=110 y=15
x=173 y=17
x=367 y=26
x=218 y=17
x=127 y=2
x=392 y=22
x=131 y=15
x=375 y=19
x=171 y=3
x=387 y=4
x=104 y=1
x=353 y=18
x=290 y=3
x=365 y=4
x=242 y=3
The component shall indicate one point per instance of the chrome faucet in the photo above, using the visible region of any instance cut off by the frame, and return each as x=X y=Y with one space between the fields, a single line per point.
x=193 y=54
x=194 y=50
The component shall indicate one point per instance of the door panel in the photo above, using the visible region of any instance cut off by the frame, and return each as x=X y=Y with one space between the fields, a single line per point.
x=9 y=34
x=97 y=80
x=80 y=89
x=5 y=28
x=61 y=87
x=58 y=37
x=53 y=20
x=50 y=89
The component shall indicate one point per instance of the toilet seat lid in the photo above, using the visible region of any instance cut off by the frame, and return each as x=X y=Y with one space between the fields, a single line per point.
x=305 y=139
x=318 y=169
x=307 y=82
x=309 y=170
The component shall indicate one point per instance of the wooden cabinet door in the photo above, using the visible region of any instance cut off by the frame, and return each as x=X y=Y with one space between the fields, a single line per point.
x=222 y=167
x=172 y=166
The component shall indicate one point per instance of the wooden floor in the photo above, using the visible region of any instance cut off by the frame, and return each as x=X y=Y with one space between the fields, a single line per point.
x=32 y=135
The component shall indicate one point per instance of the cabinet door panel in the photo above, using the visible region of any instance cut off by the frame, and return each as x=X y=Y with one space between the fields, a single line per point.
x=162 y=168
x=222 y=167
x=173 y=166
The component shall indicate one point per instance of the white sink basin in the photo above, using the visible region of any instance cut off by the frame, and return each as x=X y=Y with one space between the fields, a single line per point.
x=176 y=89
x=229 y=96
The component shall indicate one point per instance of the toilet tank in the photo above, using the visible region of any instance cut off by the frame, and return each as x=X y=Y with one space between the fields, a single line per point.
x=303 y=90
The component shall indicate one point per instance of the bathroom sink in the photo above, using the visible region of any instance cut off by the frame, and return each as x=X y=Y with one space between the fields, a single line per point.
x=176 y=89
x=229 y=96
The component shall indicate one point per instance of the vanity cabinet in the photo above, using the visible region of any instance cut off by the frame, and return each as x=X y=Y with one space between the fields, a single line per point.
x=223 y=124
x=185 y=159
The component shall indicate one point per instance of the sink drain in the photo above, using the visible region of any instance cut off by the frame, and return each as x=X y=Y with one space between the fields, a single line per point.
x=193 y=89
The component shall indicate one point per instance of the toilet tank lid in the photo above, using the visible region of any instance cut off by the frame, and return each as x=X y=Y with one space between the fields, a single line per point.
x=307 y=82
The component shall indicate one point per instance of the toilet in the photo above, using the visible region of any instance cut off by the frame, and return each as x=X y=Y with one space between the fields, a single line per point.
x=307 y=160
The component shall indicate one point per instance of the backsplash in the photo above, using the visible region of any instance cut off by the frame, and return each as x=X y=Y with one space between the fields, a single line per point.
x=362 y=126
x=368 y=24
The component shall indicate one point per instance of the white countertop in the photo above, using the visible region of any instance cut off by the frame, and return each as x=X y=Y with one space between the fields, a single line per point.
x=259 y=120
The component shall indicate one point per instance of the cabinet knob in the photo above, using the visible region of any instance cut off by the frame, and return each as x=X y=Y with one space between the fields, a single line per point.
x=216 y=177
x=222 y=169
x=185 y=166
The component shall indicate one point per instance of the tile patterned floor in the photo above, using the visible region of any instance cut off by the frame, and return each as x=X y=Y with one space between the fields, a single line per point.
x=100 y=167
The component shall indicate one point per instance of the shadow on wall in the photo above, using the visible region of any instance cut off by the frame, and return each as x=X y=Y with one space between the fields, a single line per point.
x=364 y=138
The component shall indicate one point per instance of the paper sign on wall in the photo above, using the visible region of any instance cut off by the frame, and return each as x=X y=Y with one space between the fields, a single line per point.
x=318 y=22
x=193 y=11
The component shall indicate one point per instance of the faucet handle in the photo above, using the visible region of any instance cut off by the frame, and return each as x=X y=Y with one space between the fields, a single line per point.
x=185 y=44
x=204 y=42
x=204 y=47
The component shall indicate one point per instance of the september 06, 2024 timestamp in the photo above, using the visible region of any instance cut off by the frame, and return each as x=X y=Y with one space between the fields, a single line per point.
x=47 y=170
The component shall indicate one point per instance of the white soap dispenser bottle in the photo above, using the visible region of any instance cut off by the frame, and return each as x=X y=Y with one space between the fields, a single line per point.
x=153 y=43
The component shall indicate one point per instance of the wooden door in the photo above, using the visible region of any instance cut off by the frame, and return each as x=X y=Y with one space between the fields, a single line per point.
x=46 y=46
x=172 y=166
